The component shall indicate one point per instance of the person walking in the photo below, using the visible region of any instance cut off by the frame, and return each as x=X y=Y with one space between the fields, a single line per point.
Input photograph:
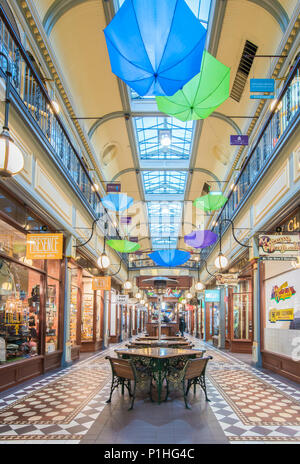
x=181 y=325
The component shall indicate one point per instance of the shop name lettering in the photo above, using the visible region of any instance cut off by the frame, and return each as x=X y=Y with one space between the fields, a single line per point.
x=45 y=245
x=282 y=243
x=282 y=293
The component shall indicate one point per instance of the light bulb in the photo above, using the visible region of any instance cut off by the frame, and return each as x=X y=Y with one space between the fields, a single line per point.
x=127 y=285
x=189 y=295
x=11 y=157
x=55 y=106
x=138 y=295
x=142 y=302
x=199 y=286
x=221 y=261
x=183 y=301
x=103 y=261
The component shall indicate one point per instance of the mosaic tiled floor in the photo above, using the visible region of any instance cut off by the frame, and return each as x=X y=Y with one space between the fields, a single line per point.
x=249 y=405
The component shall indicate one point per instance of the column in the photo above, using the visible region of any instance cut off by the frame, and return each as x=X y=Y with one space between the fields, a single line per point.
x=256 y=347
x=221 y=343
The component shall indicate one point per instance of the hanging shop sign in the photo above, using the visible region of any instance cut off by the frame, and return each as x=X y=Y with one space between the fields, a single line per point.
x=227 y=279
x=113 y=187
x=101 y=283
x=44 y=246
x=279 y=245
x=283 y=292
x=212 y=296
x=122 y=299
x=262 y=88
x=281 y=315
x=239 y=140
x=126 y=219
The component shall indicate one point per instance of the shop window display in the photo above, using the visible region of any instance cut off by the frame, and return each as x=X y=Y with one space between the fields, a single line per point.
x=52 y=305
x=242 y=312
x=74 y=305
x=87 y=309
x=19 y=311
x=282 y=309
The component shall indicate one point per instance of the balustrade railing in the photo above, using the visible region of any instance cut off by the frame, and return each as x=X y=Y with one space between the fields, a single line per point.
x=273 y=133
x=33 y=97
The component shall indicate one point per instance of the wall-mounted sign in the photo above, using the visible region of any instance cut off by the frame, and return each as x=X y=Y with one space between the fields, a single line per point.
x=281 y=315
x=101 y=283
x=133 y=239
x=212 y=296
x=265 y=87
x=122 y=299
x=279 y=245
x=282 y=293
x=227 y=279
x=113 y=187
x=126 y=219
x=239 y=140
x=44 y=246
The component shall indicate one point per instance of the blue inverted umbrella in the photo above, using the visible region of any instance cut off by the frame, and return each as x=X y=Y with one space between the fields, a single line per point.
x=117 y=201
x=155 y=46
x=169 y=258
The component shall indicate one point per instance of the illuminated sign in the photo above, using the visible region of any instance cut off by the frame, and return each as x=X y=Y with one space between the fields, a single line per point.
x=44 y=246
x=281 y=315
x=212 y=296
x=279 y=245
x=282 y=293
x=101 y=283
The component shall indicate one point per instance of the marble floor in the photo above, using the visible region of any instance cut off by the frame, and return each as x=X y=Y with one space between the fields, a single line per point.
x=69 y=406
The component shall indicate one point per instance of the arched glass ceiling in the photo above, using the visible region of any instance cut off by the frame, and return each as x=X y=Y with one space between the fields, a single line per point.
x=148 y=132
x=164 y=190
x=164 y=182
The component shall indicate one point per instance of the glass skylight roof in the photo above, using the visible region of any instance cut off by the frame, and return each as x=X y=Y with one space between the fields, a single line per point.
x=148 y=129
x=164 y=182
x=164 y=216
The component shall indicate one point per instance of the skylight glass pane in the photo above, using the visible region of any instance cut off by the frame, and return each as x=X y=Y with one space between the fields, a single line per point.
x=149 y=145
x=164 y=182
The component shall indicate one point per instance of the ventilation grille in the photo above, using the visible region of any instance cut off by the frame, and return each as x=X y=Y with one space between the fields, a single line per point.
x=243 y=70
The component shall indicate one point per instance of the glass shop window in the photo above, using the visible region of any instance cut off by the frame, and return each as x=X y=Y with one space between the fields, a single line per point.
x=242 y=312
x=13 y=244
x=87 y=309
x=74 y=305
x=19 y=312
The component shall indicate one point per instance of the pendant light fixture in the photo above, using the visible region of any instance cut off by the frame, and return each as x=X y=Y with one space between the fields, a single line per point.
x=11 y=157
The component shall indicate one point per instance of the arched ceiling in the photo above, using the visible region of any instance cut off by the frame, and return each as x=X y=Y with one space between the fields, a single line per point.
x=75 y=37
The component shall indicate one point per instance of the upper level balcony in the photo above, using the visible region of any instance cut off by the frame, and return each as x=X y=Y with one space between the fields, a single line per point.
x=279 y=126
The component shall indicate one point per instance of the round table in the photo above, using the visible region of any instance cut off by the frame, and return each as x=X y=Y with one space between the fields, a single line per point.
x=158 y=360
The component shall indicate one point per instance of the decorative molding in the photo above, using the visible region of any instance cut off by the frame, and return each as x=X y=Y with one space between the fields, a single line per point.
x=272 y=193
x=58 y=9
x=49 y=190
x=275 y=9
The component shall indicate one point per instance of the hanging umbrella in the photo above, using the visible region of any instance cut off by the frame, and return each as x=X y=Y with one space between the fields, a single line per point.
x=201 y=238
x=123 y=246
x=210 y=202
x=155 y=46
x=117 y=201
x=169 y=258
x=201 y=95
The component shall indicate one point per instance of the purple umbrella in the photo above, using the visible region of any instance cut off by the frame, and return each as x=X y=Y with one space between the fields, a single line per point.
x=200 y=238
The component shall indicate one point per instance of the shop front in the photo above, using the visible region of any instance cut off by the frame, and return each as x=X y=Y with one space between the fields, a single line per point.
x=212 y=315
x=280 y=318
x=280 y=297
x=31 y=299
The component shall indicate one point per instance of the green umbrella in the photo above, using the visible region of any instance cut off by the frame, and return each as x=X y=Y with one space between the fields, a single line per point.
x=201 y=95
x=210 y=202
x=123 y=246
